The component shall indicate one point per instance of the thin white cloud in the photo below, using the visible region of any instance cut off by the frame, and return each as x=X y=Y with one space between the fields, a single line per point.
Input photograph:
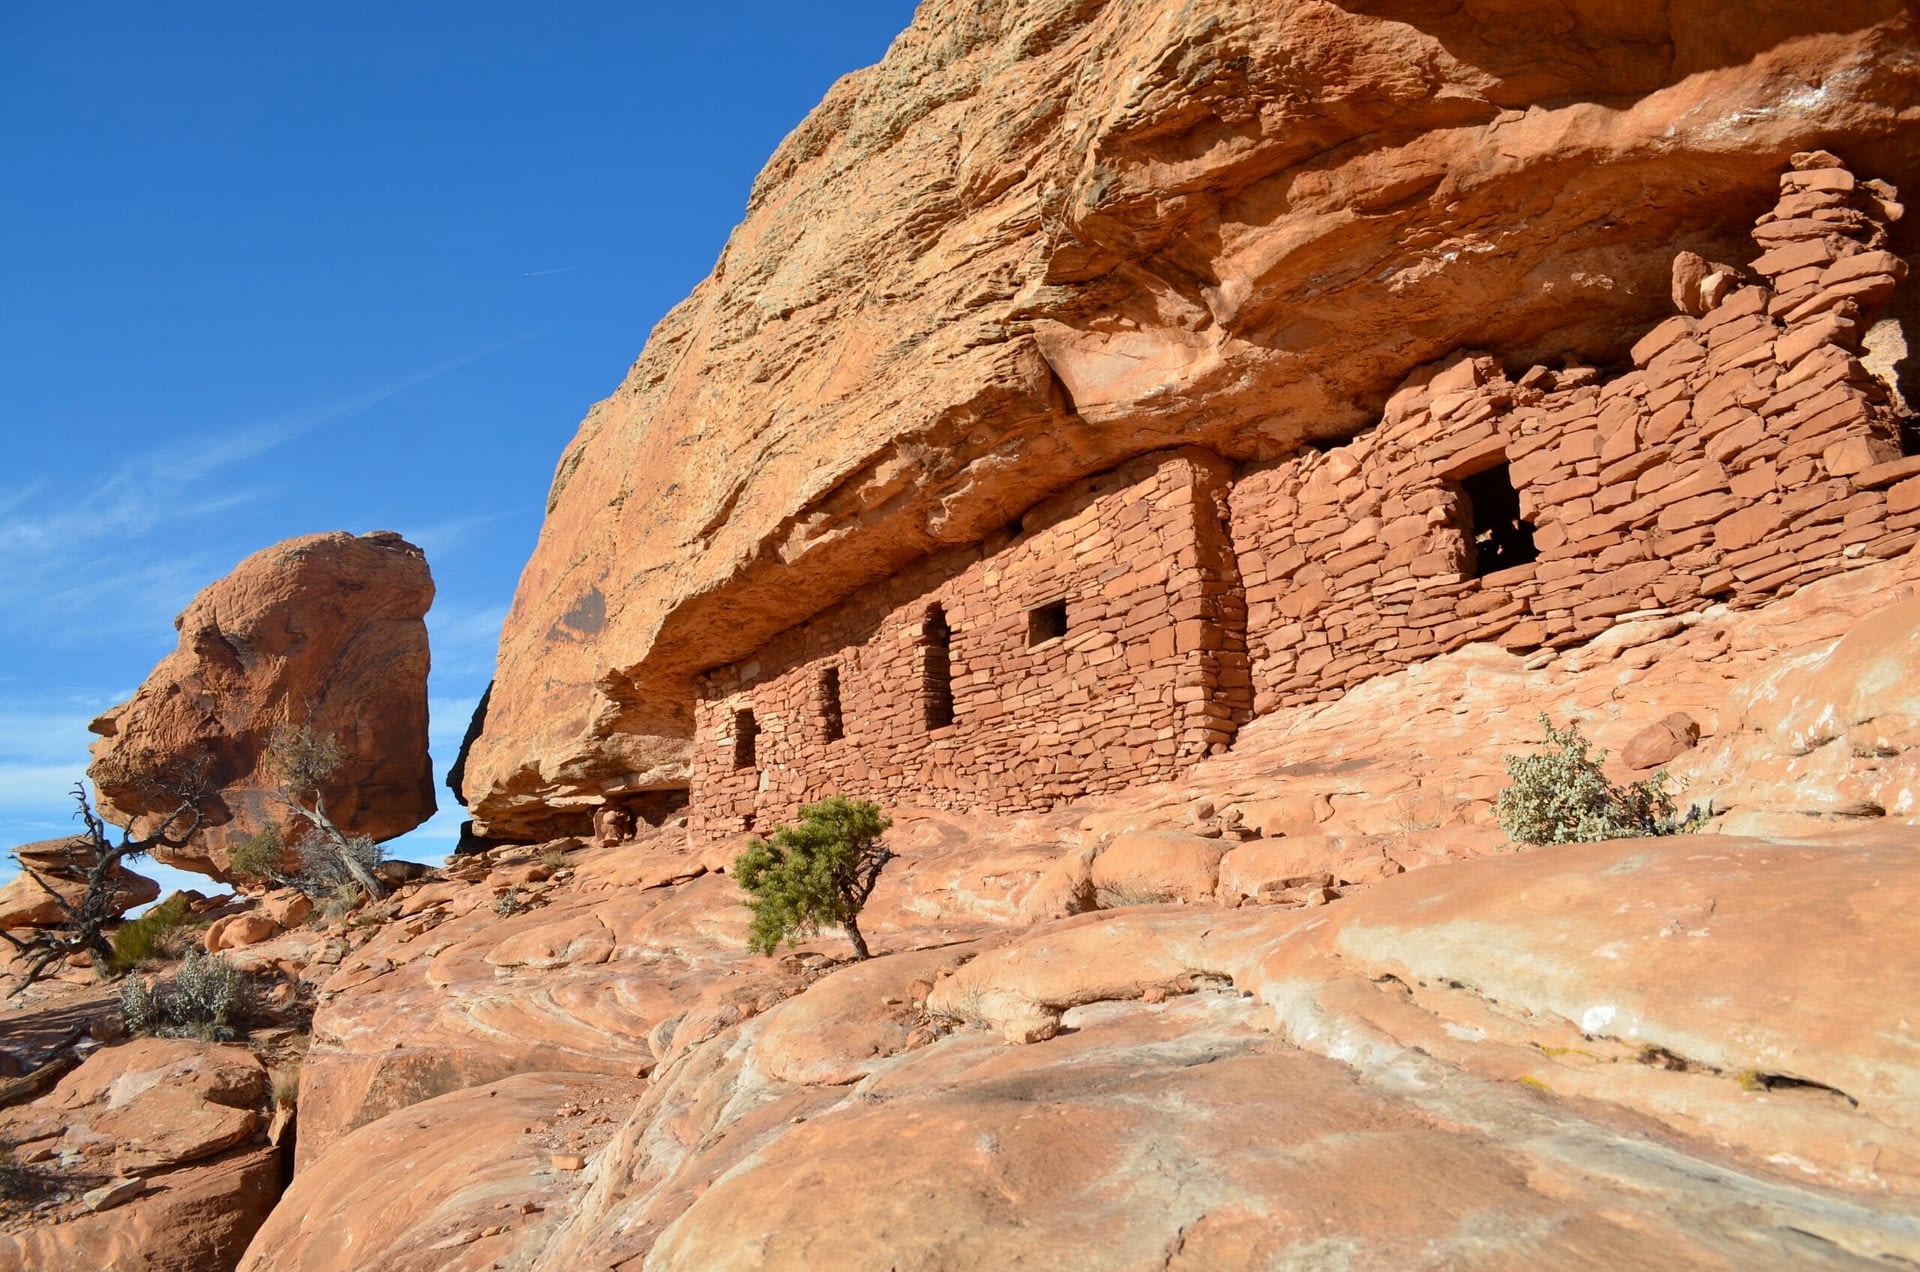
x=465 y=640
x=62 y=550
x=542 y=273
x=446 y=537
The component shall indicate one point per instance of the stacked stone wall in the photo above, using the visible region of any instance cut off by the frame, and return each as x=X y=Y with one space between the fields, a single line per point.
x=1747 y=451
x=1150 y=674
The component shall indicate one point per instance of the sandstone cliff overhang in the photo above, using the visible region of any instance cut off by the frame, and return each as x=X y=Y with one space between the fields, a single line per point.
x=1029 y=246
x=326 y=630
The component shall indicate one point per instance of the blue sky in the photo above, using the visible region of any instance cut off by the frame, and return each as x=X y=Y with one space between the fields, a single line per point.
x=267 y=270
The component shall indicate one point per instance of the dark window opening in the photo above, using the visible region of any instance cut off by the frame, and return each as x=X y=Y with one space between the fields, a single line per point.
x=746 y=733
x=1501 y=540
x=1046 y=622
x=832 y=728
x=937 y=682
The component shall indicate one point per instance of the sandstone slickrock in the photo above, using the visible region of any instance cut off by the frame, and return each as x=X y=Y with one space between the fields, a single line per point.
x=1568 y=1031
x=325 y=630
x=1033 y=243
x=1246 y=1087
x=1833 y=731
x=180 y=1115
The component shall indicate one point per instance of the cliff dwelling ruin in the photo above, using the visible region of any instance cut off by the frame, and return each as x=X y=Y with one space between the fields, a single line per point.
x=1132 y=624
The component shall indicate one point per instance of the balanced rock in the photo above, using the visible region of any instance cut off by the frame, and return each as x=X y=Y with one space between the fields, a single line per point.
x=325 y=631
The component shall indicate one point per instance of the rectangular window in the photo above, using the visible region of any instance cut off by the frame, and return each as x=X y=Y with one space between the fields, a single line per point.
x=1501 y=539
x=746 y=735
x=1046 y=622
x=832 y=728
x=937 y=677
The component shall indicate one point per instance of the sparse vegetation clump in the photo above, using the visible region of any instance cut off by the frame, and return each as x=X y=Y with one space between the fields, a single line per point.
x=263 y=856
x=16 y=1180
x=137 y=940
x=816 y=872
x=207 y=998
x=84 y=925
x=303 y=762
x=1561 y=796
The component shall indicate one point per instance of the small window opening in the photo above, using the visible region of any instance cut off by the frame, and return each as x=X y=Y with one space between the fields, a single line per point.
x=832 y=728
x=1501 y=540
x=937 y=682
x=1046 y=622
x=746 y=734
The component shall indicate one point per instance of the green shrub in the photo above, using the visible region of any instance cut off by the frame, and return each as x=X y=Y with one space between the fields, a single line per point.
x=263 y=856
x=819 y=871
x=134 y=940
x=207 y=998
x=1562 y=797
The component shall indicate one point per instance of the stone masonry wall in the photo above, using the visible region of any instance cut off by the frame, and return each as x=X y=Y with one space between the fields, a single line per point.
x=1150 y=674
x=1747 y=451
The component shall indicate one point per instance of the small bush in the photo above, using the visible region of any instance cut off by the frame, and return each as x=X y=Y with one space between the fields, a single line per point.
x=16 y=1178
x=263 y=856
x=207 y=998
x=816 y=872
x=137 y=940
x=286 y=1087
x=554 y=857
x=328 y=872
x=1562 y=797
x=509 y=903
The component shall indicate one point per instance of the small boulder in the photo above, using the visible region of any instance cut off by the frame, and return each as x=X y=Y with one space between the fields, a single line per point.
x=289 y=907
x=1152 y=866
x=1661 y=741
x=612 y=825
x=117 y=1193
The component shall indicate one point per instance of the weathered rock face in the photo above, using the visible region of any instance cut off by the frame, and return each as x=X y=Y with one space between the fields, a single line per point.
x=63 y=864
x=1033 y=243
x=181 y=1116
x=326 y=630
x=1503 y=1059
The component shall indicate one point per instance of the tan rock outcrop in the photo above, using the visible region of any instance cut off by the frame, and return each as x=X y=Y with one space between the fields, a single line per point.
x=325 y=630
x=1619 y=1071
x=183 y=1116
x=1032 y=244
x=63 y=863
x=1831 y=732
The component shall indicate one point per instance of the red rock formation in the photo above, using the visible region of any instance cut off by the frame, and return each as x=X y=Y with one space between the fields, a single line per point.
x=1031 y=245
x=63 y=863
x=182 y=1116
x=325 y=630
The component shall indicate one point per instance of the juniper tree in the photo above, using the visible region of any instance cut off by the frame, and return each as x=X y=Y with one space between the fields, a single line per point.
x=302 y=763
x=817 y=872
x=83 y=925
